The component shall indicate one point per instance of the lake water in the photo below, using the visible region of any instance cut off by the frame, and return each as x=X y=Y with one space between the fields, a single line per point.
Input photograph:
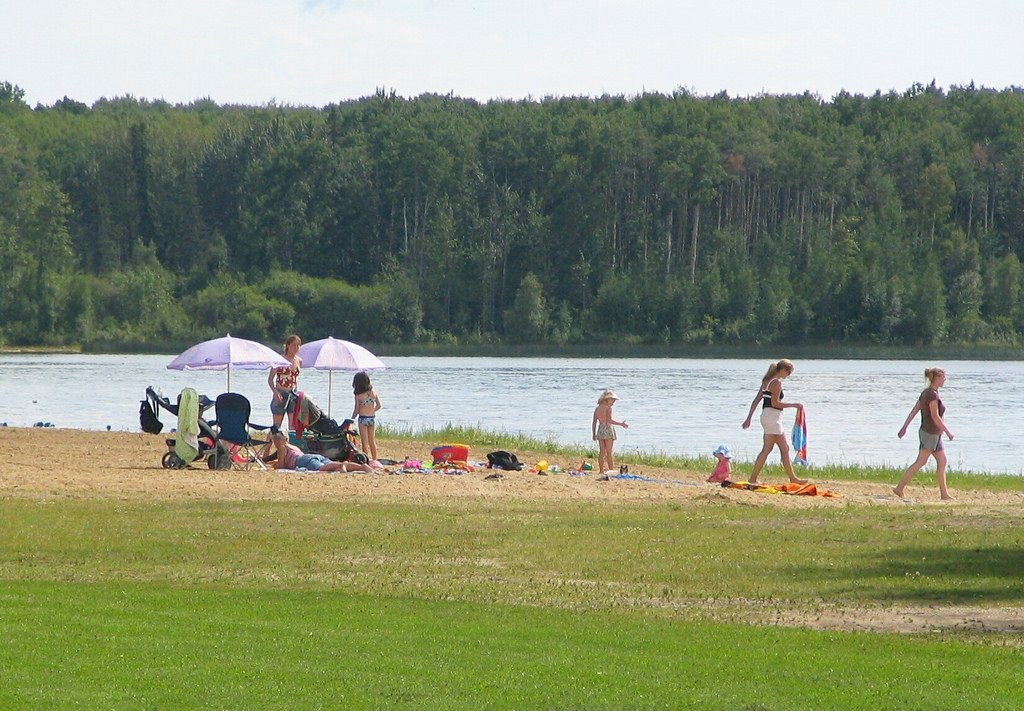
x=675 y=406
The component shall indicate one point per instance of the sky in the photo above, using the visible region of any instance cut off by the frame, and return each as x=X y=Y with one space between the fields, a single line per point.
x=317 y=52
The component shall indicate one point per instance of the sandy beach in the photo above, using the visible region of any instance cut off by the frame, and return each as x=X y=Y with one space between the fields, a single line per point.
x=69 y=463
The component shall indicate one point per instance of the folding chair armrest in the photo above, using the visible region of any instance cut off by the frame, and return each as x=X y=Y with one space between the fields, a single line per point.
x=252 y=426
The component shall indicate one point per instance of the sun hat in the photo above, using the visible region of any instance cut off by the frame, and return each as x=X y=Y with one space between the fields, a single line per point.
x=723 y=450
x=607 y=395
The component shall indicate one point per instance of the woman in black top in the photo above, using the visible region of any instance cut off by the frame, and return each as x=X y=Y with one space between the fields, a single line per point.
x=770 y=397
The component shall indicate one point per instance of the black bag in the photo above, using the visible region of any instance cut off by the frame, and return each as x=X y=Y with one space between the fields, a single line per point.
x=148 y=420
x=504 y=460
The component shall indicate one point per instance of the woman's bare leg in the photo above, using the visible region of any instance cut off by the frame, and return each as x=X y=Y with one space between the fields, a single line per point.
x=922 y=459
x=787 y=464
x=762 y=457
x=346 y=467
x=940 y=474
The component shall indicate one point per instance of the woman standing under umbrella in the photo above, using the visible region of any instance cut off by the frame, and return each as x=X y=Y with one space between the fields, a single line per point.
x=284 y=381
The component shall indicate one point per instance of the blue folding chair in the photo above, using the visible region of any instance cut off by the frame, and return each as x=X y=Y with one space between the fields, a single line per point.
x=233 y=412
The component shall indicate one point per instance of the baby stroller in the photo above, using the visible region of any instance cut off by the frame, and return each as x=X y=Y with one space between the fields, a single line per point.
x=325 y=436
x=211 y=449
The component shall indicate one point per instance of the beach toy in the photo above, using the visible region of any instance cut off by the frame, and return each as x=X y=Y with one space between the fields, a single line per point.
x=586 y=467
x=553 y=468
x=542 y=465
x=450 y=453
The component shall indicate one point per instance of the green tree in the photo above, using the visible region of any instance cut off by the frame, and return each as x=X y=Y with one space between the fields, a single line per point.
x=527 y=320
x=926 y=321
x=935 y=196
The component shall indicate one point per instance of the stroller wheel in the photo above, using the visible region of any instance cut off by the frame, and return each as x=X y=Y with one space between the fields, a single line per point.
x=172 y=461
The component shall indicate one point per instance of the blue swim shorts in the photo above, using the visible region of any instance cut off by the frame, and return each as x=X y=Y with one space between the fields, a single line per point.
x=367 y=420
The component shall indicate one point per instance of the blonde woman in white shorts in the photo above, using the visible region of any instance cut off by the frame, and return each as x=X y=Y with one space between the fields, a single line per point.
x=770 y=397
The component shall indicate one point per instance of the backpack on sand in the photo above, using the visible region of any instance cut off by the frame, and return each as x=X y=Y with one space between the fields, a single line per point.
x=148 y=420
x=504 y=460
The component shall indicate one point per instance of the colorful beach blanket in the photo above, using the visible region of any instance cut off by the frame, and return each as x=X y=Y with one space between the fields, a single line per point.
x=807 y=489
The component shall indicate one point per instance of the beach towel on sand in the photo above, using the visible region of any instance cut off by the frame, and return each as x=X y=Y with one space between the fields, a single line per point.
x=807 y=489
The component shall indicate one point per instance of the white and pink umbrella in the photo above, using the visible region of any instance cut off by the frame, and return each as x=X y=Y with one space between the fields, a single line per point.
x=228 y=352
x=332 y=354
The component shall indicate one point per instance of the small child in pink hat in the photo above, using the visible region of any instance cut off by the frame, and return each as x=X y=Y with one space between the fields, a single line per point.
x=722 y=469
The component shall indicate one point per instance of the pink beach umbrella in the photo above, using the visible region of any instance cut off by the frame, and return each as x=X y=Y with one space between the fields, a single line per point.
x=228 y=352
x=333 y=354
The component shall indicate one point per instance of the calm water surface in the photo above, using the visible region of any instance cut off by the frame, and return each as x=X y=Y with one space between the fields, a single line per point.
x=675 y=406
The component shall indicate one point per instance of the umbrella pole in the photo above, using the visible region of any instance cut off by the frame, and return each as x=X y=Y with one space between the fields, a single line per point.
x=330 y=390
x=229 y=377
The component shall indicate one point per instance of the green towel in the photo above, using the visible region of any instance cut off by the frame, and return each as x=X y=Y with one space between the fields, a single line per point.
x=186 y=443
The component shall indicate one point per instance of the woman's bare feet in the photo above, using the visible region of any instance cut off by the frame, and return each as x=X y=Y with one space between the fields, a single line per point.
x=797 y=481
x=896 y=490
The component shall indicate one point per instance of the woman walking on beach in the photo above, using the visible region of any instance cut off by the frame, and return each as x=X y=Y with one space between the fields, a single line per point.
x=929 y=435
x=284 y=380
x=770 y=397
x=603 y=428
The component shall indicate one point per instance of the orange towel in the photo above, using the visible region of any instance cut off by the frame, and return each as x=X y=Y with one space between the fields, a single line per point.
x=807 y=489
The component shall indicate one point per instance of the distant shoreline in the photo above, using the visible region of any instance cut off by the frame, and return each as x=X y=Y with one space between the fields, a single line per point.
x=605 y=350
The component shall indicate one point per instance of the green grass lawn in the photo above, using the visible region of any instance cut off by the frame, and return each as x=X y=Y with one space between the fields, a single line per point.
x=460 y=603
x=154 y=645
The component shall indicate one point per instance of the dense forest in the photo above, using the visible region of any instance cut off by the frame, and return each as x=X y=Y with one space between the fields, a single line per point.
x=894 y=218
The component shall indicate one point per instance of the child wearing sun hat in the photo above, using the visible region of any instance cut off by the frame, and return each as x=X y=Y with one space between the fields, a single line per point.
x=723 y=468
x=603 y=430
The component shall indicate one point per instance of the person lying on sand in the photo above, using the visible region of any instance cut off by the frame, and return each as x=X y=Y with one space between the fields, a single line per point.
x=288 y=456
